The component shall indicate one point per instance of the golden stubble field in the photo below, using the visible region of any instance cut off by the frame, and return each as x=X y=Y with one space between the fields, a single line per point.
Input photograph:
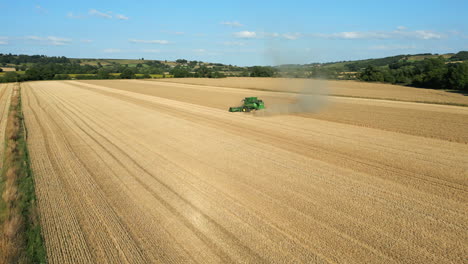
x=147 y=172
x=5 y=95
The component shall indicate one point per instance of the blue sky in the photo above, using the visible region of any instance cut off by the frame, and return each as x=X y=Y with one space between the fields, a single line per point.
x=233 y=32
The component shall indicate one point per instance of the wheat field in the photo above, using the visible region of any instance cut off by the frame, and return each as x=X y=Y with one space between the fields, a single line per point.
x=5 y=95
x=158 y=172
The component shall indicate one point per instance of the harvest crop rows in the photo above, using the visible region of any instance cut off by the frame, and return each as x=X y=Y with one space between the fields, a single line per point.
x=5 y=94
x=149 y=171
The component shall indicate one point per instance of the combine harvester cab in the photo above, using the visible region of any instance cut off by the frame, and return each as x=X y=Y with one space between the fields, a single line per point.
x=249 y=104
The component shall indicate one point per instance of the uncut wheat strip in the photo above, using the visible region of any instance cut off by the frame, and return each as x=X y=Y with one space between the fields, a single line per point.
x=109 y=238
x=364 y=101
x=350 y=88
x=56 y=224
x=103 y=154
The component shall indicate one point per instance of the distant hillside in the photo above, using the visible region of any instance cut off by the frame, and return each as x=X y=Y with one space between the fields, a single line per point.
x=446 y=71
x=378 y=62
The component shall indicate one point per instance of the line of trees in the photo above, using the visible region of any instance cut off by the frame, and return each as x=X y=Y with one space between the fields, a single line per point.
x=22 y=59
x=433 y=73
x=436 y=73
x=200 y=72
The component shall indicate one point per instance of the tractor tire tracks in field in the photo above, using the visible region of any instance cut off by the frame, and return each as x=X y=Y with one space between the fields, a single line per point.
x=5 y=95
x=130 y=177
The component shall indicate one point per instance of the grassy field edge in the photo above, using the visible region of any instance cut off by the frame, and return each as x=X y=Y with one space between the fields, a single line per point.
x=21 y=240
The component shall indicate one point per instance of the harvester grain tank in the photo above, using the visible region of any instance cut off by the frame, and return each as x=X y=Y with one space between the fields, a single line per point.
x=249 y=104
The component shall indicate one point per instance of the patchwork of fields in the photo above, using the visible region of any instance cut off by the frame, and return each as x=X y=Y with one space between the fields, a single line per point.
x=143 y=171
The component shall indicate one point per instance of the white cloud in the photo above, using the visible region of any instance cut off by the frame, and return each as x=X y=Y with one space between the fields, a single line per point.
x=94 y=12
x=251 y=35
x=233 y=43
x=424 y=34
x=50 y=40
x=393 y=47
x=354 y=35
x=112 y=50
x=291 y=36
x=121 y=17
x=86 y=40
x=245 y=34
x=231 y=24
x=162 y=42
x=200 y=50
x=399 y=33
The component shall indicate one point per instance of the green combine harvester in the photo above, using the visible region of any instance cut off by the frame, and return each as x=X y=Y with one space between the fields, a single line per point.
x=249 y=104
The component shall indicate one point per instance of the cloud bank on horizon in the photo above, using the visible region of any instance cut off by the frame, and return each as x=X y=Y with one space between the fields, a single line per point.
x=230 y=33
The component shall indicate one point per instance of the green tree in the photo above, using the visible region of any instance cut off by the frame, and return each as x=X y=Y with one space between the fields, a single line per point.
x=371 y=74
x=261 y=71
x=432 y=73
x=103 y=74
x=457 y=76
x=180 y=72
x=127 y=74
x=203 y=72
